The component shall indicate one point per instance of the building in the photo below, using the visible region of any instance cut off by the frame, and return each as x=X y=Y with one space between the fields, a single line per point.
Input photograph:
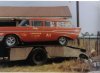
x=8 y=15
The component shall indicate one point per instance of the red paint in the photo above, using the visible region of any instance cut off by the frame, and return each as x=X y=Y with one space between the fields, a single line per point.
x=41 y=33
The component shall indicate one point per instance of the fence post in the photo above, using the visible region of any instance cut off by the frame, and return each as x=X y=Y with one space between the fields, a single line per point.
x=98 y=42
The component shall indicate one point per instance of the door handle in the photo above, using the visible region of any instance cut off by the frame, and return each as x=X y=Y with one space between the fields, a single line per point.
x=35 y=28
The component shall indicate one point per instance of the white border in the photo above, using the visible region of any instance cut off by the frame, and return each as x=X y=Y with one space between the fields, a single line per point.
x=49 y=0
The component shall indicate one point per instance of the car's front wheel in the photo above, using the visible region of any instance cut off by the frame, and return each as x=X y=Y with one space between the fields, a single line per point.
x=63 y=41
x=10 y=41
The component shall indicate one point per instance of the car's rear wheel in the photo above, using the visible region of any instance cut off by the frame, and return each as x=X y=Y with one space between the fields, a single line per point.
x=38 y=56
x=10 y=40
x=63 y=41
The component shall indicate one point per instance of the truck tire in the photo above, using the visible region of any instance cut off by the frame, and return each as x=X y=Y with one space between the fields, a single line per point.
x=38 y=56
x=83 y=57
x=10 y=41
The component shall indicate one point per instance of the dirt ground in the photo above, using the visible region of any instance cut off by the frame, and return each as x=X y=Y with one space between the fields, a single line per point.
x=52 y=65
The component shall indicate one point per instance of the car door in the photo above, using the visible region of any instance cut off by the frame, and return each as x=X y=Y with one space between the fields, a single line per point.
x=24 y=30
x=49 y=31
x=37 y=31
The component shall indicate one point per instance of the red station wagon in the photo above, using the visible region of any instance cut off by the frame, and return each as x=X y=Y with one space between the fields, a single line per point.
x=38 y=29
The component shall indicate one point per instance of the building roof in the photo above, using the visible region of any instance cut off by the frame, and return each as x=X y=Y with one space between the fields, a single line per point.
x=58 y=11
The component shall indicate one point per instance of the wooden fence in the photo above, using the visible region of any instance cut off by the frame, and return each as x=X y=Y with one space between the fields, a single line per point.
x=88 y=42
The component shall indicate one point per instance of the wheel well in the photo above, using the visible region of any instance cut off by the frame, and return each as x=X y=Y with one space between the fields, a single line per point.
x=13 y=35
x=40 y=47
x=66 y=37
x=36 y=47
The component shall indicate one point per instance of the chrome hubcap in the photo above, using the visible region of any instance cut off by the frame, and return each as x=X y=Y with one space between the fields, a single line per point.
x=62 y=40
x=10 y=41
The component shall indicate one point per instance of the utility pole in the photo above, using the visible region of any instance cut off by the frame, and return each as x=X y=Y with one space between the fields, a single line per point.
x=77 y=13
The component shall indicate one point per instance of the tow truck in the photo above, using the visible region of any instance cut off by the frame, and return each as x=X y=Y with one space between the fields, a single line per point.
x=38 y=54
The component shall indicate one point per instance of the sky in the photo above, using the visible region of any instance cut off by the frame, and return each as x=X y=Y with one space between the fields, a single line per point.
x=33 y=3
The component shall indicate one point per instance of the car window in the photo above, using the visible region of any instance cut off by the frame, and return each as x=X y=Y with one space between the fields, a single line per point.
x=47 y=23
x=36 y=23
x=64 y=24
x=24 y=23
